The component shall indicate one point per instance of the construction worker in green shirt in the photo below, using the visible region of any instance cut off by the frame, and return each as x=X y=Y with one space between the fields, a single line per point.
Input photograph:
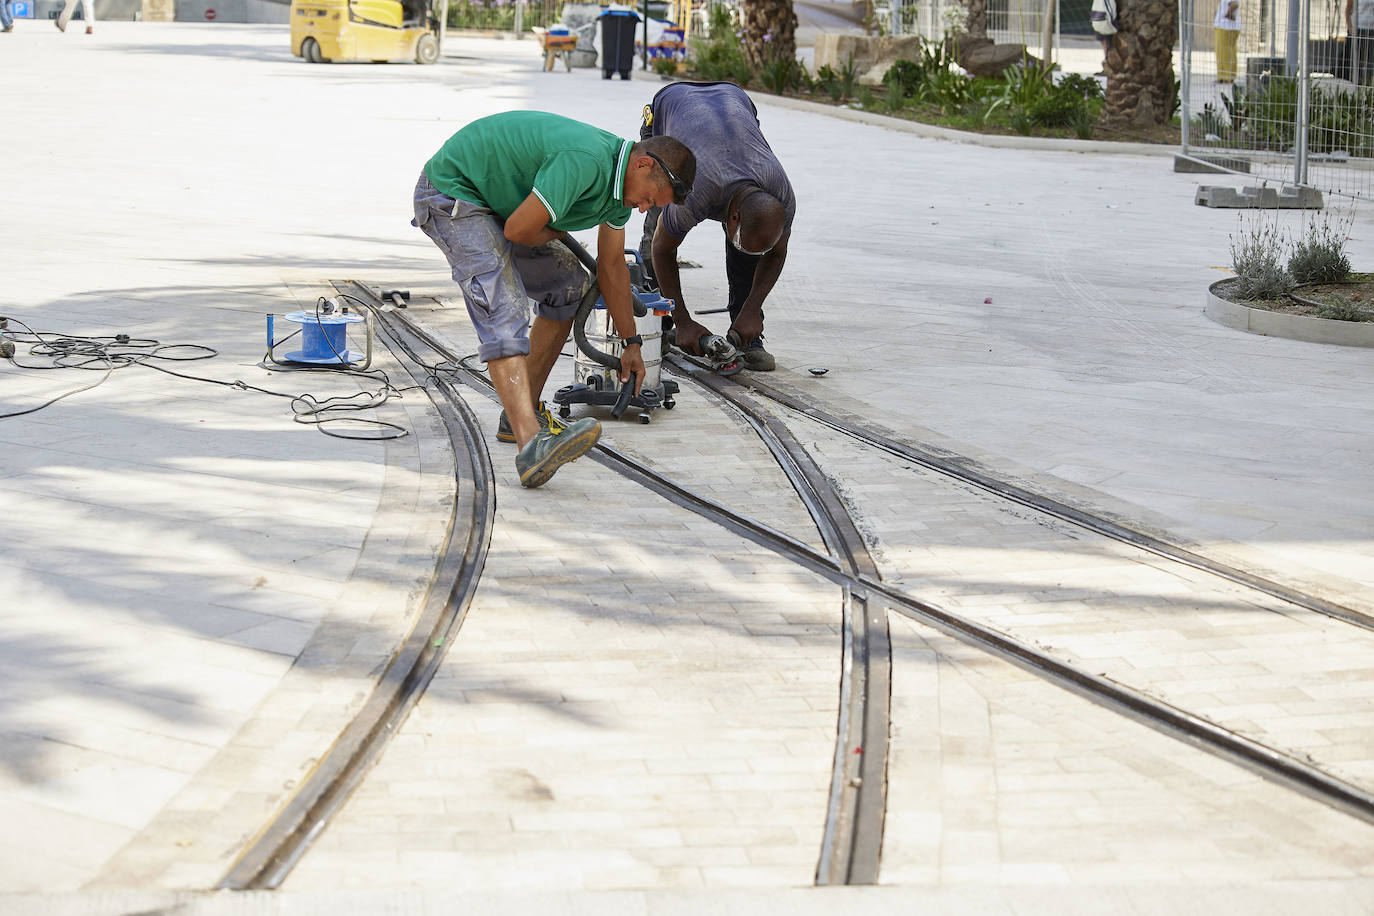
x=493 y=199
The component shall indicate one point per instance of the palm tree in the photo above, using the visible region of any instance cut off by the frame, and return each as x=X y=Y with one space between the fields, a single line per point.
x=770 y=31
x=976 y=25
x=1140 y=71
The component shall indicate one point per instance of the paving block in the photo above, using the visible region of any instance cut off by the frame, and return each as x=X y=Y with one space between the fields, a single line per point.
x=1198 y=163
x=1257 y=198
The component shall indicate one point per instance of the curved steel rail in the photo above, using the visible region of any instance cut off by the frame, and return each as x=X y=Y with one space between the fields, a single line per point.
x=277 y=848
x=1266 y=761
x=850 y=574
x=851 y=847
x=961 y=468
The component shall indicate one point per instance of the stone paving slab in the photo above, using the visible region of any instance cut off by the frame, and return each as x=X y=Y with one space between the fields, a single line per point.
x=1289 y=678
x=215 y=172
x=998 y=775
x=633 y=735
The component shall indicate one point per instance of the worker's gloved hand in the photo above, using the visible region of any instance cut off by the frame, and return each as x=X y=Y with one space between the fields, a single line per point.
x=631 y=361
x=689 y=334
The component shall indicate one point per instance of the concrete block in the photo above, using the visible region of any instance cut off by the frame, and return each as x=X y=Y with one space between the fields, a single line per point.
x=1197 y=163
x=1259 y=198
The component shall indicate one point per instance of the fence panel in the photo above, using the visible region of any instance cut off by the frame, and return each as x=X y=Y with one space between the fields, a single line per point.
x=1276 y=106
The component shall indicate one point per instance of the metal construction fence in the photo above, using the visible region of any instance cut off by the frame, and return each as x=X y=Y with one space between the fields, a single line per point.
x=1265 y=102
x=1020 y=22
x=1258 y=101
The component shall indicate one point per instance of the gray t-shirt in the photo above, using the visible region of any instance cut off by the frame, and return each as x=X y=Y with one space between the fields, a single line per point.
x=720 y=124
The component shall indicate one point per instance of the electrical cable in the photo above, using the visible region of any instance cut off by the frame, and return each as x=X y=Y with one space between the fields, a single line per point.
x=109 y=353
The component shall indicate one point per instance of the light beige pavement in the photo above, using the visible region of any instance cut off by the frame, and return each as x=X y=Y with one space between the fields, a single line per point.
x=201 y=589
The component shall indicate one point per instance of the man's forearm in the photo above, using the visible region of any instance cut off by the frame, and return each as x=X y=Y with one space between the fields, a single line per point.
x=664 y=253
x=765 y=278
x=614 y=280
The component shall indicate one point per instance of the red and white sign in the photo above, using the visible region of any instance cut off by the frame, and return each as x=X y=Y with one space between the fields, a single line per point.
x=209 y=14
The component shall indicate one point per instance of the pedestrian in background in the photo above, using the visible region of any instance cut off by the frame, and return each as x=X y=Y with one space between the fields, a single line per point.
x=7 y=16
x=69 y=7
x=1226 y=25
x=1359 y=23
x=1103 y=18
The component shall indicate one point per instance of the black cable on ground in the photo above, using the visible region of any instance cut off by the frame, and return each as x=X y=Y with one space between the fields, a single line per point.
x=107 y=353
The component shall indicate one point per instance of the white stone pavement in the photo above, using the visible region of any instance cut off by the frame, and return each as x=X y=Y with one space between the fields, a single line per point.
x=199 y=590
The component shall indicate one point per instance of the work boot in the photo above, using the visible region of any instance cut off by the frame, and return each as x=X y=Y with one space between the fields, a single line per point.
x=754 y=356
x=541 y=412
x=547 y=451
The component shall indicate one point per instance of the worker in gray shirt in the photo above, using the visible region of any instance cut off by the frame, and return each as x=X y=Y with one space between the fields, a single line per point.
x=740 y=184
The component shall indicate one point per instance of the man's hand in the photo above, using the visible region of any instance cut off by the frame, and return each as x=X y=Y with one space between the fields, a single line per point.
x=748 y=326
x=689 y=333
x=632 y=362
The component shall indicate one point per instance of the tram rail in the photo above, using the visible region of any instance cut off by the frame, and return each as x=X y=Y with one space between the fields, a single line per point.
x=852 y=838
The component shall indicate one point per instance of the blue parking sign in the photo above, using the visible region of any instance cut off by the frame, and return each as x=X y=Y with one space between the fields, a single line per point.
x=21 y=9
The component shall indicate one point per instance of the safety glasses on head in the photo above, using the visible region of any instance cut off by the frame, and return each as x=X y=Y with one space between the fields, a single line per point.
x=680 y=188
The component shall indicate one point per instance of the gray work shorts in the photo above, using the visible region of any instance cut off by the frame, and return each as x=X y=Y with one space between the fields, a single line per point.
x=498 y=277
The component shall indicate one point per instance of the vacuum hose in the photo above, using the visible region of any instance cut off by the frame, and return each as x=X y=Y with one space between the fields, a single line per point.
x=588 y=303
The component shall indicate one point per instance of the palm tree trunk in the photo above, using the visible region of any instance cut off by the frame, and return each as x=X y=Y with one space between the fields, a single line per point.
x=770 y=31
x=1140 y=64
x=976 y=26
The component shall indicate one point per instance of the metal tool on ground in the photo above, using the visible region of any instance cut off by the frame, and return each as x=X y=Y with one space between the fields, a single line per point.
x=717 y=352
x=397 y=297
x=596 y=369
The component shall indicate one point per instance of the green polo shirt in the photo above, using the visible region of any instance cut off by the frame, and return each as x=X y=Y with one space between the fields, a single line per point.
x=578 y=171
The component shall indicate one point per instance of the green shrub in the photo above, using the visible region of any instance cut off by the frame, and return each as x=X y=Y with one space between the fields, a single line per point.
x=849 y=77
x=1084 y=120
x=782 y=75
x=1057 y=109
x=1319 y=256
x=902 y=78
x=1342 y=309
x=720 y=55
x=665 y=66
x=1263 y=117
x=1256 y=257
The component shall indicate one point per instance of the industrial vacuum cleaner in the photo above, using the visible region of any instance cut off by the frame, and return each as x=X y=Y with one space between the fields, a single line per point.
x=596 y=367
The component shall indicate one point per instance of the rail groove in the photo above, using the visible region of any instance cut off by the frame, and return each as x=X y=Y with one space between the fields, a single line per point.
x=851 y=848
x=271 y=855
x=961 y=469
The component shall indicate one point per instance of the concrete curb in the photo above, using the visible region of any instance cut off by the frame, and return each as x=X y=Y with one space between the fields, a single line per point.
x=995 y=141
x=1293 y=327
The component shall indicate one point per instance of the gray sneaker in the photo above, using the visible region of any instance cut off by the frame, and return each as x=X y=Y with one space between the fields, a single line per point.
x=542 y=413
x=548 y=451
x=754 y=357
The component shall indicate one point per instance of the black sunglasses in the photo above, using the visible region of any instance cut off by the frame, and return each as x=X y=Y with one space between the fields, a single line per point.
x=680 y=188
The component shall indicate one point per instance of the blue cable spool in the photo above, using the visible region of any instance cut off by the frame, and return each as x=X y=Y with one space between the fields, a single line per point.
x=324 y=338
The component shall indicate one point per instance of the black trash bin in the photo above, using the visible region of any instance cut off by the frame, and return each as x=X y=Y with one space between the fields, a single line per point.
x=618 y=42
x=1259 y=69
